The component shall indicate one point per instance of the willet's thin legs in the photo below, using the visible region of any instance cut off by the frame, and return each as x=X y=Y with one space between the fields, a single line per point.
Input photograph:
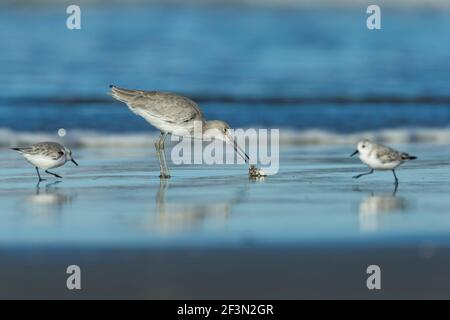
x=363 y=174
x=395 y=176
x=53 y=174
x=158 y=153
x=164 y=170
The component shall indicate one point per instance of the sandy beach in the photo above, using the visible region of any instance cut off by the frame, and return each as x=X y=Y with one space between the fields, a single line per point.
x=235 y=237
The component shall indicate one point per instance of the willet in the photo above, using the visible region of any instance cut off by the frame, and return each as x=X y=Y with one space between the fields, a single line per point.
x=46 y=155
x=379 y=157
x=173 y=114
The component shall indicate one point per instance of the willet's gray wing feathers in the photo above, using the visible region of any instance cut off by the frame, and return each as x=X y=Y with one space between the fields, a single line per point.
x=52 y=150
x=165 y=106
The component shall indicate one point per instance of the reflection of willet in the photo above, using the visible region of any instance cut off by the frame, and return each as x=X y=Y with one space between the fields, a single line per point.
x=372 y=206
x=47 y=201
x=173 y=217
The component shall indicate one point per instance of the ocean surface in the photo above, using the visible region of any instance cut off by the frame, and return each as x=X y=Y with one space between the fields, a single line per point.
x=115 y=198
x=310 y=231
x=318 y=75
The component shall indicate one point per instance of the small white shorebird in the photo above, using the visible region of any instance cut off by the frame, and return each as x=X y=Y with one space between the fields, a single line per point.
x=379 y=157
x=46 y=155
x=173 y=114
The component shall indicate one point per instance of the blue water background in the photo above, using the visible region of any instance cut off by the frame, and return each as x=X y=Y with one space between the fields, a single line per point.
x=280 y=68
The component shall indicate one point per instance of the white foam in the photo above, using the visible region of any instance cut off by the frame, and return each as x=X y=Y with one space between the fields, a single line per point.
x=81 y=138
x=316 y=136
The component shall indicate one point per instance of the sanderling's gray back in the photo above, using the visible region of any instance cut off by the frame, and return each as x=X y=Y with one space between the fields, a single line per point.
x=172 y=114
x=46 y=155
x=379 y=157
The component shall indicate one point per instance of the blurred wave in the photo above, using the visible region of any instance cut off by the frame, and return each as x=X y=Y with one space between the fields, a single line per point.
x=242 y=3
x=263 y=53
x=245 y=100
x=83 y=138
x=346 y=117
x=300 y=70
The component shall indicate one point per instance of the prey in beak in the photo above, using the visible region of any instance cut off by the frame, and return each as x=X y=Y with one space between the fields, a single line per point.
x=354 y=153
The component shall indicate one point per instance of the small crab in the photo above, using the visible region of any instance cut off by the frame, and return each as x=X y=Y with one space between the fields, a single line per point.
x=254 y=172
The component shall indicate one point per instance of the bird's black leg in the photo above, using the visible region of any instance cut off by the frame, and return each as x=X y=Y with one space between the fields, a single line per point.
x=395 y=176
x=40 y=179
x=363 y=174
x=53 y=174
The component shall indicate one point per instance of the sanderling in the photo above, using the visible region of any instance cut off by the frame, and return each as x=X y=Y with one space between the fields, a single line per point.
x=379 y=157
x=46 y=155
x=172 y=114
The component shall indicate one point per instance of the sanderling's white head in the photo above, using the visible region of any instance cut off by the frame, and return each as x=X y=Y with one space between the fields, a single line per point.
x=363 y=147
x=217 y=129
x=69 y=156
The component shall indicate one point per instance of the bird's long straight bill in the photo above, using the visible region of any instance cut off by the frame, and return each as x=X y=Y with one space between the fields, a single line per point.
x=239 y=150
x=242 y=152
x=354 y=153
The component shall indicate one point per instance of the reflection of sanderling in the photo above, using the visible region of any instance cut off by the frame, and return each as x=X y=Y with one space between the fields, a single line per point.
x=373 y=207
x=172 y=114
x=46 y=155
x=47 y=202
x=379 y=157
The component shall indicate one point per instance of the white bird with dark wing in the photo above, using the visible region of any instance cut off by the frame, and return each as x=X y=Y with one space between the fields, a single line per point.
x=173 y=114
x=46 y=155
x=379 y=157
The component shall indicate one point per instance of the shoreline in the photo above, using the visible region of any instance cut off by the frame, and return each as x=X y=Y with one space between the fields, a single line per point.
x=287 y=137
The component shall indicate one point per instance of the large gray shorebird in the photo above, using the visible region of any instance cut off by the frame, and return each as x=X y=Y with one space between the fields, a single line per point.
x=46 y=155
x=173 y=114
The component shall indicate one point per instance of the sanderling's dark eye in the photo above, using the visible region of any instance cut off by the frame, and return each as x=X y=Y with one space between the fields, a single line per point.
x=363 y=146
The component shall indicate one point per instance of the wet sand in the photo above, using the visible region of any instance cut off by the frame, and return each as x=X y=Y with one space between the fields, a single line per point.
x=210 y=232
